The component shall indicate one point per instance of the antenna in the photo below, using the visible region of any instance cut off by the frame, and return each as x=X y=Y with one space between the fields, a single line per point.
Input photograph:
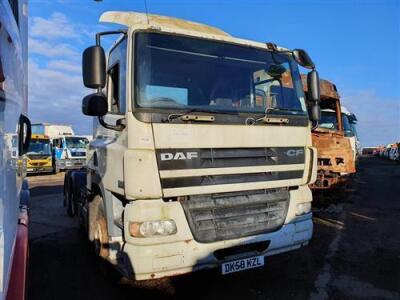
x=147 y=12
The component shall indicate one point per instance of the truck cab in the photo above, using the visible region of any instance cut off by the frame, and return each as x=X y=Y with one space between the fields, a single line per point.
x=351 y=132
x=39 y=155
x=201 y=154
x=69 y=152
x=336 y=158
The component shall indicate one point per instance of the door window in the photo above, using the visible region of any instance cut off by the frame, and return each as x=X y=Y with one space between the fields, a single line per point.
x=117 y=78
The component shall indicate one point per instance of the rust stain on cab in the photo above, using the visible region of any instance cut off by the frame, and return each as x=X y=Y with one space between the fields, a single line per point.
x=335 y=155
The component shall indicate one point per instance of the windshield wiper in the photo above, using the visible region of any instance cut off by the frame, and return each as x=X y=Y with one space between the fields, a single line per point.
x=268 y=118
x=187 y=115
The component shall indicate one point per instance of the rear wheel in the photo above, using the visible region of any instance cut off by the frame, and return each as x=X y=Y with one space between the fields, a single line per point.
x=69 y=202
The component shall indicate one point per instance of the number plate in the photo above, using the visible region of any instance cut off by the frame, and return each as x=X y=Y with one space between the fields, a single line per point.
x=242 y=264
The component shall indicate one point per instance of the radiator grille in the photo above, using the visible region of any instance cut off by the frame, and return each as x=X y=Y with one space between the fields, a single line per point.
x=233 y=215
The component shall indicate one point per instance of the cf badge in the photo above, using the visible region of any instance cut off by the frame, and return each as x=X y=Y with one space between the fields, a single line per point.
x=293 y=152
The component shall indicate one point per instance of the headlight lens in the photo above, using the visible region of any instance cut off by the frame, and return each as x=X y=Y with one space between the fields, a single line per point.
x=152 y=228
x=303 y=208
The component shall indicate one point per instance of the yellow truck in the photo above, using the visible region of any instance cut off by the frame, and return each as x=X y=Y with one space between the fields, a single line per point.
x=40 y=159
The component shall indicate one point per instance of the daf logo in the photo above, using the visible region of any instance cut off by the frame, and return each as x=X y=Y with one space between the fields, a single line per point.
x=179 y=156
x=293 y=152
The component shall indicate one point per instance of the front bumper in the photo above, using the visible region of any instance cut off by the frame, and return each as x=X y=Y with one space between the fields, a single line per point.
x=170 y=259
x=35 y=170
x=70 y=164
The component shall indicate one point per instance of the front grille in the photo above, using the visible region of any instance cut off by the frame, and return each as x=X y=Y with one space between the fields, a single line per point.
x=38 y=164
x=226 y=216
x=78 y=154
x=229 y=179
x=178 y=159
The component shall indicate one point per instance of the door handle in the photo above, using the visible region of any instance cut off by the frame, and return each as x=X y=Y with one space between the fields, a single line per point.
x=2 y=76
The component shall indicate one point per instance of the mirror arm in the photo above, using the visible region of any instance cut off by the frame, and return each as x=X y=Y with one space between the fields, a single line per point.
x=314 y=125
x=100 y=34
x=118 y=127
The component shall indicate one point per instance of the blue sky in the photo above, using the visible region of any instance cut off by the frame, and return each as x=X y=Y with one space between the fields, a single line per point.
x=355 y=44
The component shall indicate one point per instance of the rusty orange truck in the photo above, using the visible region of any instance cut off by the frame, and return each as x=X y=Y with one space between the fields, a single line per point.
x=335 y=154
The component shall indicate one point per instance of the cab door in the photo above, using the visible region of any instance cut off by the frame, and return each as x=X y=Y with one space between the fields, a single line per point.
x=110 y=144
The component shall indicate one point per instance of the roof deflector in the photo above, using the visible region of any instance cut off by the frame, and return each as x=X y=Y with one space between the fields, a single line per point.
x=130 y=19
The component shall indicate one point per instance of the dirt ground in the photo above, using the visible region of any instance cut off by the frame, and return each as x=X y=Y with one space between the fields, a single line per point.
x=354 y=253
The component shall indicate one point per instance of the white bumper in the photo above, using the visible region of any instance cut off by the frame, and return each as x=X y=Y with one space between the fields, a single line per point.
x=160 y=260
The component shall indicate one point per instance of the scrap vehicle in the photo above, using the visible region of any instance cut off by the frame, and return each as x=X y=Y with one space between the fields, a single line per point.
x=14 y=141
x=393 y=152
x=39 y=155
x=370 y=151
x=351 y=131
x=69 y=152
x=336 y=160
x=201 y=154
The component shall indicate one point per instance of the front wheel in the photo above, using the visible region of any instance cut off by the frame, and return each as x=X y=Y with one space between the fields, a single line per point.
x=99 y=229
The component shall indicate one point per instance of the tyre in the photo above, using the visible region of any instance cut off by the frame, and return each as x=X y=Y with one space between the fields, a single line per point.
x=99 y=228
x=70 y=203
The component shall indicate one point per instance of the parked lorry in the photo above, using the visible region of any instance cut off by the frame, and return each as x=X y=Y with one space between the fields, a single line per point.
x=351 y=132
x=336 y=158
x=39 y=155
x=202 y=154
x=69 y=152
x=14 y=141
x=52 y=130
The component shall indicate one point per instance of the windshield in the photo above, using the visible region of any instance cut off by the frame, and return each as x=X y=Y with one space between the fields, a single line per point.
x=348 y=130
x=328 y=120
x=183 y=73
x=39 y=147
x=76 y=142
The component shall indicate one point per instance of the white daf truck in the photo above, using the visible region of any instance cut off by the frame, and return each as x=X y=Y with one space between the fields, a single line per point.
x=201 y=155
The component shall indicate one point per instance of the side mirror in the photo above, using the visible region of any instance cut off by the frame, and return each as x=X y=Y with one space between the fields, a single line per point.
x=303 y=59
x=94 y=67
x=95 y=105
x=313 y=95
x=313 y=86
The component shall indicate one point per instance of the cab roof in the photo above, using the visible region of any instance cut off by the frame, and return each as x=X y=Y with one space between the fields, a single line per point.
x=328 y=90
x=150 y=22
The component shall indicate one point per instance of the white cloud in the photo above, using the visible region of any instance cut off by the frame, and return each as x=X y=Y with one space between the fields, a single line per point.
x=56 y=27
x=55 y=82
x=65 y=65
x=51 y=50
x=378 y=117
x=55 y=97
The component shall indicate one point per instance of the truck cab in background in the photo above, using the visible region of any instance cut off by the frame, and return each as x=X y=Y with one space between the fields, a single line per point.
x=39 y=155
x=69 y=152
x=15 y=132
x=52 y=130
x=201 y=154
x=351 y=132
x=336 y=158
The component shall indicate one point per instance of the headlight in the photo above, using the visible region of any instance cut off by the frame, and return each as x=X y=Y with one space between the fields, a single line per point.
x=152 y=228
x=303 y=208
